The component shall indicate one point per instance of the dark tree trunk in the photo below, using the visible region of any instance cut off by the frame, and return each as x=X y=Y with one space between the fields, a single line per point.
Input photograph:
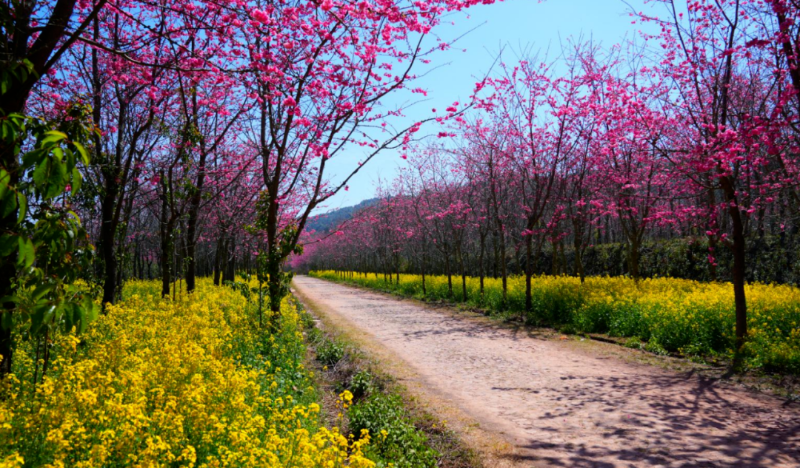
x=634 y=248
x=229 y=273
x=8 y=272
x=220 y=252
x=577 y=244
x=166 y=260
x=503 y=266
x=191 y=228
x=528 y=272
x=739 y=261
x=449 y=275
x=108 y=233
x=167 y=226
x=463 y=275
x=191 y=253
x=481 y=271
x=422 y=267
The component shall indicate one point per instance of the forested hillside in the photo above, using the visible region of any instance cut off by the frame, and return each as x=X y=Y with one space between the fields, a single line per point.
x=334 y=219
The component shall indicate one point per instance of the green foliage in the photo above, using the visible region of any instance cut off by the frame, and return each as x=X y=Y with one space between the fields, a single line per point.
x=362 y=383
x=16 y=70
x=655 y=347
x=394 y=438
x=242 y=287
x=40 y=233
x=330 y=352
x=270 y=258
x=315 y=335
x=772 y=258
x=633 y=342
x=306 y=320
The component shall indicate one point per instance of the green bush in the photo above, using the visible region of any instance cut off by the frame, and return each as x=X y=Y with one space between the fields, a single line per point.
x=330 y=352
x=362 y=384
x=394 y=438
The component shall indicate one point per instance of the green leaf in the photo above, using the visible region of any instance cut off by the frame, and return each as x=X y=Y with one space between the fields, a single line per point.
x=5 y=299
x=7 y=199
x=5 y=181
x=41 y=315
x=57 y=180
x=77 y=179
x=41 y=173
x=58 y=153
x=8 y=133
x=89 y=311
x=8 y=242
x=27 y=254
x=84 y=154
x=69 y=158
x=22 y=202
x=7 y=204
x=7 y=320
x=41 y=290
x=32 y=158
x=53 y=136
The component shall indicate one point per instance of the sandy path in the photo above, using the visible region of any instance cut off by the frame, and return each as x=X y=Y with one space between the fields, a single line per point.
x=560 y=404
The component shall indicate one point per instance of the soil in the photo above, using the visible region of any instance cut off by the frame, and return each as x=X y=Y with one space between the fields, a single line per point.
x=534 y=398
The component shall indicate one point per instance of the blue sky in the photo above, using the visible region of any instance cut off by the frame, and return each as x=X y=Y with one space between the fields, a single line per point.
x=515 y=25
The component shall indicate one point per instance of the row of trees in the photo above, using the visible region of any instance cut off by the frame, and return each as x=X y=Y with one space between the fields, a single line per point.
x=694 y=131
x=175 y=138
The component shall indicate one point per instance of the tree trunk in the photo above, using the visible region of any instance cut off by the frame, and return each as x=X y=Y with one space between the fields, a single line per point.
x=577 y=244
x=424 y=288
x=191 y=253
x=8 y=273
x=166 y=257
x=463 y=275
x=504 y=267
x=481 y=271
x=218 y=259
x=739 y=262
x=191 y=228
x=108 y=231
x=528 y=273
x=633 y=257
x=449 y=275
x=229 y=273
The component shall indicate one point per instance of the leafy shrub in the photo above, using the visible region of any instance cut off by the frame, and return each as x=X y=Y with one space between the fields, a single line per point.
x=394 y=439
x=362 y=384
x=330 y=352
x=633 y=342
x=653 y=346
x=315 y=336
x=306 y=320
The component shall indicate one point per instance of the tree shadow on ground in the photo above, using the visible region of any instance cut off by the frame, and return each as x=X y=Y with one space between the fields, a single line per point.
x=681 y=420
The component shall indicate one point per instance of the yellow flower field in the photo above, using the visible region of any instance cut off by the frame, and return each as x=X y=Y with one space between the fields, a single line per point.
x=156 y=383
x=674 y=315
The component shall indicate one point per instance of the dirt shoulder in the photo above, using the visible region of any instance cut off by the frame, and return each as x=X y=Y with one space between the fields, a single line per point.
x=523 y=398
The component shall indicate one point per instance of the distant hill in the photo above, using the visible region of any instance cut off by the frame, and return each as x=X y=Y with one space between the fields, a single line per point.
x=327 y=222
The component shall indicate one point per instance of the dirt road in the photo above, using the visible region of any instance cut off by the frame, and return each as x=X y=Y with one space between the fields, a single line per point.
x=562 y=403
